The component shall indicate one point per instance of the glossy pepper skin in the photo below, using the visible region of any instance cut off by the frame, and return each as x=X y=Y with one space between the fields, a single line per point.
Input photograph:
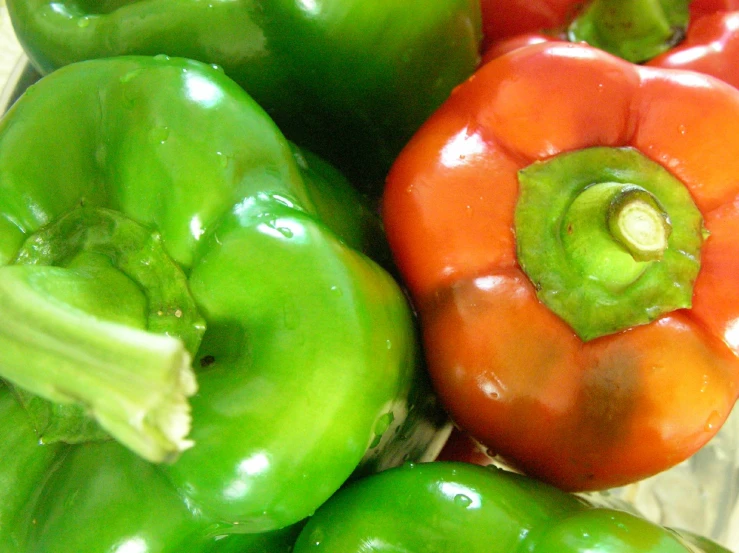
x=445 y=506
x=699 y=8
x=347 y=79
x=711 y=46
x=88 y=498
x=307 y=369
x=578 y=408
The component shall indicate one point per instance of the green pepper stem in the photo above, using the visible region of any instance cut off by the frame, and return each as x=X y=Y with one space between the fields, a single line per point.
x=611 y=230
x=636 y=30
x=638 y=223
x=134 y=382
x=609 y=238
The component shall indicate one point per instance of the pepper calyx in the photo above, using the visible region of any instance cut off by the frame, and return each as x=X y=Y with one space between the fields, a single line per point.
x=609 y=238
x=635 y=30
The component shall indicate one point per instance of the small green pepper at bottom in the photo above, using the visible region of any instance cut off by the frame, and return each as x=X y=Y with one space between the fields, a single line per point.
x=446 y=507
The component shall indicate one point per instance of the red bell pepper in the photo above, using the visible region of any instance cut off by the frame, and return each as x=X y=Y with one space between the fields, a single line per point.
x=710 y=44
x=700 y=8
x=555 y=171
x=506 y=18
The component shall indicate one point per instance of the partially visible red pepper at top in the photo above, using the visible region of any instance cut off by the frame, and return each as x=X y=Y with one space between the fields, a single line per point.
x=704 y=7
x=709 y=43
x=711 y=46
x=506 y=18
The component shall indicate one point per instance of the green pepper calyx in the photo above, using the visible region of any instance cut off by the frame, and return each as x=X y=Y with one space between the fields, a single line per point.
x=99 y=317
x=609 y=238
x=635 y=30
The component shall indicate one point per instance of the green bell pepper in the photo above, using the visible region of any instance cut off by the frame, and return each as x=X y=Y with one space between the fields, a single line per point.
x=452 y=506
x=349 y=79
x=158 y=235
x=88 y=497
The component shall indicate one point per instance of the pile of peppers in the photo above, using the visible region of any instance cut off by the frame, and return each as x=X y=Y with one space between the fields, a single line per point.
x=259 y=259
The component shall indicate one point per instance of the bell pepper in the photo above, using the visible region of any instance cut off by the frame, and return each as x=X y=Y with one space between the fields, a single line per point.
x=89 y=497
x=348 y=79
x=699 y=8
x=659 y=34
x=566 y=224
x=711 y=46
x=506 y=18
x=444 y=506
x=158 y=234
x=503 y=19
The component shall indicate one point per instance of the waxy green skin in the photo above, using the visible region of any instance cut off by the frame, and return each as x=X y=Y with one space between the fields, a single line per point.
x=349 y=79
x=88 y=498
x=452 y=506
x=308 y=367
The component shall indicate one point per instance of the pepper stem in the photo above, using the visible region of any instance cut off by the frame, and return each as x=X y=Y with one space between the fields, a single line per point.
x=97 y=316
x=134 y=382
x=636 y=30
x=638 y=222
x=611 y=229
x=609 y=238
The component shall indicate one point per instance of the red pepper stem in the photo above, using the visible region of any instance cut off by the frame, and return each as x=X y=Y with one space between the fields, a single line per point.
x=637 y=221
x=611 y=230
x=636 y=30
x=609 y=238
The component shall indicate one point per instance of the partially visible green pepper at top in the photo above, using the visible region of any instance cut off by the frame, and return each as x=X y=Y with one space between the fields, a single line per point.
x=167 y=255
x=349 y=79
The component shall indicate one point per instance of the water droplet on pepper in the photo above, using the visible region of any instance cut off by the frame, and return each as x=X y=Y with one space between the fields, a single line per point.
x=462 y=500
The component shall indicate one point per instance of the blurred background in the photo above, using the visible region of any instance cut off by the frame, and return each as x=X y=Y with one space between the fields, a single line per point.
x=10 y=50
